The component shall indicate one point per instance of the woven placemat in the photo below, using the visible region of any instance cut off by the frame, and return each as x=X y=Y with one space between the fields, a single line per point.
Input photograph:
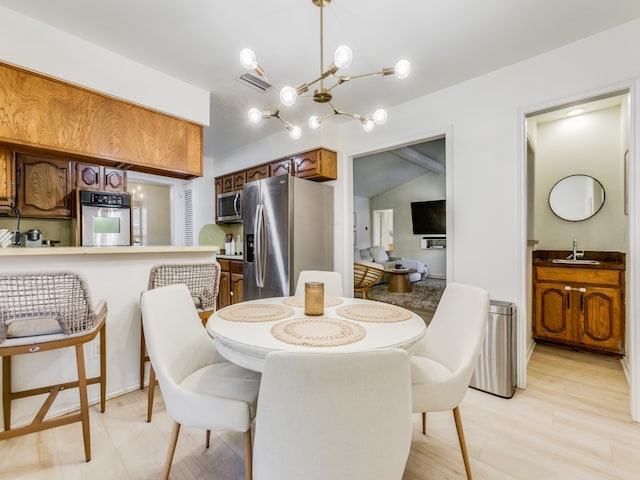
x=266 y=312
x=318 y=332
x=299 y=301
x=374 y=313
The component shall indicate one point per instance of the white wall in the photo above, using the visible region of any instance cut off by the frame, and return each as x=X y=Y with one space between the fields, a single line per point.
x=39 y=47
x=587 y=144
x=363 y=225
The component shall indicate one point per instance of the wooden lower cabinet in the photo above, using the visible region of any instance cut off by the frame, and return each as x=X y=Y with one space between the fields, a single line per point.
x=580 y=307
x=231 y=286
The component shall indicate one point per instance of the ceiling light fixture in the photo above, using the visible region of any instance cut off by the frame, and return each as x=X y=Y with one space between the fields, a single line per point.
x=341 y=60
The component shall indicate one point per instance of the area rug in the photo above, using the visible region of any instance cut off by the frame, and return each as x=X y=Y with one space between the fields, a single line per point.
x=424 y=296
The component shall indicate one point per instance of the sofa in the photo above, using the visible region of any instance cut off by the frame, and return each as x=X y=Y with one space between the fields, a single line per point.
x=380 y=256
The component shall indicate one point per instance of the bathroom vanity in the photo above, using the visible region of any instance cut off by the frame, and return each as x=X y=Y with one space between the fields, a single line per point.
x=579 y=303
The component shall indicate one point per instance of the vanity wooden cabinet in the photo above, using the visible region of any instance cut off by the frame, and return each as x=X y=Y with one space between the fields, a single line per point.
x=44 y=186
x=231 y=282
x=580 y=306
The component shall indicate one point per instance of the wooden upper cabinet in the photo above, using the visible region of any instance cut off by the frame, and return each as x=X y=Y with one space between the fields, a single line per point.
x=227 y=183
x=257 y=173
x=44 y=187
x=40 y=112
x=95 y=177
x=115 y=180
x=89 y=177
x=280 y=167
x=317 y=165
x=238 y=180
x=6 y=177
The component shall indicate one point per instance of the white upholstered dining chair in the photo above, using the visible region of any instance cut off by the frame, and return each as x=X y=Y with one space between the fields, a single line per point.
x=338 y=416
x=203 y=281
x=332 y=282
x=444 y=361
x=200 y=389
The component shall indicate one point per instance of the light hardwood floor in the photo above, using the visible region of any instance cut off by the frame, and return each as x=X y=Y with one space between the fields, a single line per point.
x=572 y=422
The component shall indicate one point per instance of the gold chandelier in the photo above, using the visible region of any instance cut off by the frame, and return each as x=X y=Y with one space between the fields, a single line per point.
x=342 y=60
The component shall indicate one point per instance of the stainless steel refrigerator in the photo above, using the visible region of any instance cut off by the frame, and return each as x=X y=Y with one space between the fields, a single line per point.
x=288 y=227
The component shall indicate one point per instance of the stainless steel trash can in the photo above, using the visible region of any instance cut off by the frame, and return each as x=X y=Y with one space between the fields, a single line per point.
x=495 y=372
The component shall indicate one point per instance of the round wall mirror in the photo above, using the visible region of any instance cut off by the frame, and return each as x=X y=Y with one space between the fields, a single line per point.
x=576 y=197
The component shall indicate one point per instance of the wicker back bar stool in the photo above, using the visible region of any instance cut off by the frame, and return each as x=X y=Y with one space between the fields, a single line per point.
x=41 y=312
x=203 y=282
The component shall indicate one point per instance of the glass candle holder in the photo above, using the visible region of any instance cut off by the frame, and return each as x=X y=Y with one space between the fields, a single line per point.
x=314 y=298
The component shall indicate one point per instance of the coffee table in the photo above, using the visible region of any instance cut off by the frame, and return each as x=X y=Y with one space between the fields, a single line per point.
x=399 y=279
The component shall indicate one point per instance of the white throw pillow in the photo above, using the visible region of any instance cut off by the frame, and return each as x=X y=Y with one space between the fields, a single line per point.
x=365 y=255
x=379 y=254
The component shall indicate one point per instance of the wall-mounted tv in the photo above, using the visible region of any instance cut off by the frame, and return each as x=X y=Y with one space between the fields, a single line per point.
x=429 y=218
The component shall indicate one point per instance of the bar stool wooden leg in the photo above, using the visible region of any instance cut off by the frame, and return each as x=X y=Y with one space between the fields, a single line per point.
x=84 y=402
x=152 y=389
x=6 y=391
x=103 y=368
x=463 y=444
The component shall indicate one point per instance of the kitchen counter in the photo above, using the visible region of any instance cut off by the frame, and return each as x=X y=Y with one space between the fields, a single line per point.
x=229 y=257
x=154 y=249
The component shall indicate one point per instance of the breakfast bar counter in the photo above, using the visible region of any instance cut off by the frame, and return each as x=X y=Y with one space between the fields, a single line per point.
x=117 y=275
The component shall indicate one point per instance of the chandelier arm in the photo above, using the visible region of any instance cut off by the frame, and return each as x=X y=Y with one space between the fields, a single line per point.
x=337 y=111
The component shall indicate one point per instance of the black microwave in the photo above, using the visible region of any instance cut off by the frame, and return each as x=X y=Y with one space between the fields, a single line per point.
x=230 y=207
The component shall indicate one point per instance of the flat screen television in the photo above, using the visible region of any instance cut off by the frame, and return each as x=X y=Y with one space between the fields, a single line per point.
x=429 y=218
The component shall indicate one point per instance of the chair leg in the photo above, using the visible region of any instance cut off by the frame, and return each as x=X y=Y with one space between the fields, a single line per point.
x=84 y=402
x=172 y=449
x=424 y=423
x=463 y=444
x=103 y=368
x=208 y=439
x=6 y=391
x=143 y=348
x=248 y=455
x=152 y=389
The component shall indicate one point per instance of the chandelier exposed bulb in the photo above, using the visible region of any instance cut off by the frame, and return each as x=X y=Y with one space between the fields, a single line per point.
x=367 y=124
x=380 y=117
x=343 y=57
x=255 y=115
x=288 y=96
x=402 y=69
x=294 y=131
x=315 y=121
x=248 y=59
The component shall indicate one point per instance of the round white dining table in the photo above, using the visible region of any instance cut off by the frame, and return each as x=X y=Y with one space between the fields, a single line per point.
x=246 y=332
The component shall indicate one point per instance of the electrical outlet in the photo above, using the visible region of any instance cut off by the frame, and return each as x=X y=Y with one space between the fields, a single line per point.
x=96 y=349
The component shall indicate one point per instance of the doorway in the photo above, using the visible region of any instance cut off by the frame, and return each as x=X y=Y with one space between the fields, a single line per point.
x=588 y=138
x=388 y=181
x=383 y=229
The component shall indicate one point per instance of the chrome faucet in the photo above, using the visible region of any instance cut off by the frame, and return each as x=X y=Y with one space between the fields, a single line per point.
x=576 y=254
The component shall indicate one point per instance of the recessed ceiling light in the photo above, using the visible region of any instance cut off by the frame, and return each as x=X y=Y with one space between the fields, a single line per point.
x=574 y=112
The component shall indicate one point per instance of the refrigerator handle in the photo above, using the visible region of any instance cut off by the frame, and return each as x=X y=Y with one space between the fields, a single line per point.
x=258 y=228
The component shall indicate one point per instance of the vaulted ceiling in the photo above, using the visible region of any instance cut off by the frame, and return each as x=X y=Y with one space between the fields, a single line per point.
x=447 y=42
